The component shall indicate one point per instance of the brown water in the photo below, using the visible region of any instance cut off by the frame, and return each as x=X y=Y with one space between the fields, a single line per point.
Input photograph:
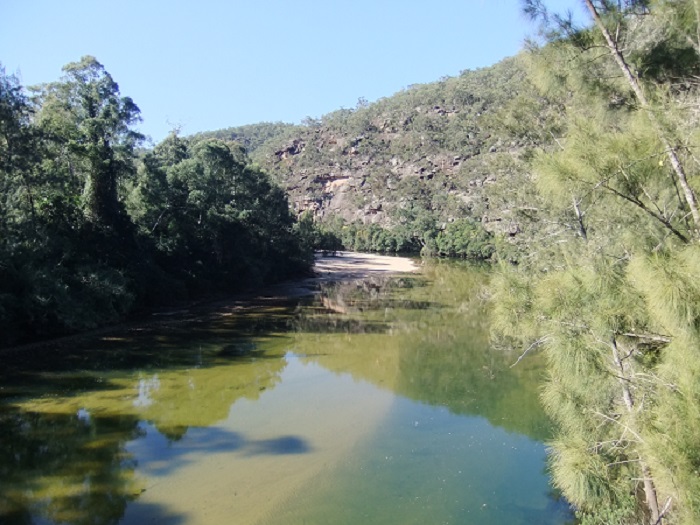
x=376 y=402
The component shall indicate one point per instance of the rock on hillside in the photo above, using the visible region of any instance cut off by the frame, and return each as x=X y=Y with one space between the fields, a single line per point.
x=435 y=152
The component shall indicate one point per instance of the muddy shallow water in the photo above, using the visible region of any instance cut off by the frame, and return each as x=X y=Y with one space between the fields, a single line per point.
x=379 y=400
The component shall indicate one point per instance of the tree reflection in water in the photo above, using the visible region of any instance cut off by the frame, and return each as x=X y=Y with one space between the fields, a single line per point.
x=52 y=465
x=72 y=421
x=425 y=338
x=66 y=419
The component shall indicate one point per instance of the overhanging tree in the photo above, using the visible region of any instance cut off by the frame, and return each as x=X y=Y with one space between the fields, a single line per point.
x=653 y=46
x=623 y=174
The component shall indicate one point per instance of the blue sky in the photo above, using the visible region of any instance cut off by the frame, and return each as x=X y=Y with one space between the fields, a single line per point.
x=212 y=64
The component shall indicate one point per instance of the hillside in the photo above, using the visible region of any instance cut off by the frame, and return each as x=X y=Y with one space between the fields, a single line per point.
x=251 y=136
x=414 y=163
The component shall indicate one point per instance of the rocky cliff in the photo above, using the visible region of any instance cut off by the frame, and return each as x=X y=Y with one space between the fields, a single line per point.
x=430 y=154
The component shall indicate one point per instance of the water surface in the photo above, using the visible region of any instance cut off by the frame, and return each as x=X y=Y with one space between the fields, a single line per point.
x=378 y=401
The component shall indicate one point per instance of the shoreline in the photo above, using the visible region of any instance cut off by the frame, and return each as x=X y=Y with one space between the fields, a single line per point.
x=231 y=478
x=342 y=266
x=351 y=265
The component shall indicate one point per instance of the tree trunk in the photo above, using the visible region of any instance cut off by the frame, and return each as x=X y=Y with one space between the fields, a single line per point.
x=649 y=489
x=579 y=218
x=634 y=83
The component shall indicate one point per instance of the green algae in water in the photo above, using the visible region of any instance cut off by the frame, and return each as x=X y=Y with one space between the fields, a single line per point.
x=379 y=401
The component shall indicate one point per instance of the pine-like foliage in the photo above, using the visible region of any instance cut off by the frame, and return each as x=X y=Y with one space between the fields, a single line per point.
x=617 y=309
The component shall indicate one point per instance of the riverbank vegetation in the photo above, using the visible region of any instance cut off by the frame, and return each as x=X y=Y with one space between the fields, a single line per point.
x=613 y=300
x=574 y=164
x=92 y=228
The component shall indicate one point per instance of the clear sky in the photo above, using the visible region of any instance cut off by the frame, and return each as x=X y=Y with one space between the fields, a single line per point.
x=209 y=64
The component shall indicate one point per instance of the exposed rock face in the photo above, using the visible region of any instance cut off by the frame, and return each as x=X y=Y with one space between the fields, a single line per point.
x=293 y=148
x=439 y=149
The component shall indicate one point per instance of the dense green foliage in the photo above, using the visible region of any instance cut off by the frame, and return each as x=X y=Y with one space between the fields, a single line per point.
x=252 y=137
x=90 y=232
x=612 y=299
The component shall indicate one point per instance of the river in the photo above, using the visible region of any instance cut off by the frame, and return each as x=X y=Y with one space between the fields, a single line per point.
x=378 y=401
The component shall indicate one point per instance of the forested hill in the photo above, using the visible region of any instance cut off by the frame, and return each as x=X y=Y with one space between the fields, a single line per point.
x=420 y=168
x=251 y=136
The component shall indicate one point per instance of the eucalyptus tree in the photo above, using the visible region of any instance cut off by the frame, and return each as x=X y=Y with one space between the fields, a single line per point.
x=213 y=217
x=63 y=153
x=17 y=196
x=18 y=152
x=92 y=124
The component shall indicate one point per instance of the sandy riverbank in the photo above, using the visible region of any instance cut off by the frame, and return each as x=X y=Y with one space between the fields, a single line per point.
x=351 y=265
x=342 y=266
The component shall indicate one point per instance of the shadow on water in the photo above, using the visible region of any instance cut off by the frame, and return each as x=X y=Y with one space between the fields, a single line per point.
x=149 y=512
x=332 y=324
x=182 y=342
x=69 y=368
x=25 y=383
x=278 y=446
x=80 y=468
x=160 y=456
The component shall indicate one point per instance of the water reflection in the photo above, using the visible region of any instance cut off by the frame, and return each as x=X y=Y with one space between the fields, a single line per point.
x=438 y=352
x=243 y=397
x=161 y=456
x=68 y=416
x=64 y=467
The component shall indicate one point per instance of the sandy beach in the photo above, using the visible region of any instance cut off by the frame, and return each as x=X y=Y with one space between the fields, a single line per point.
x=341 y=266
x=352 y=265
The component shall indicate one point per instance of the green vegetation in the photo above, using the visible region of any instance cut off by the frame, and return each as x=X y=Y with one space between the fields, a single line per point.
x=251 y=136
x=613 y=299
x=90 y=231
x=576 y=160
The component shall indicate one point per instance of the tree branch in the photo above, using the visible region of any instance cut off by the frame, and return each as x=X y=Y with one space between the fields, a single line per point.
x=634 y=83
x=537 y=343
